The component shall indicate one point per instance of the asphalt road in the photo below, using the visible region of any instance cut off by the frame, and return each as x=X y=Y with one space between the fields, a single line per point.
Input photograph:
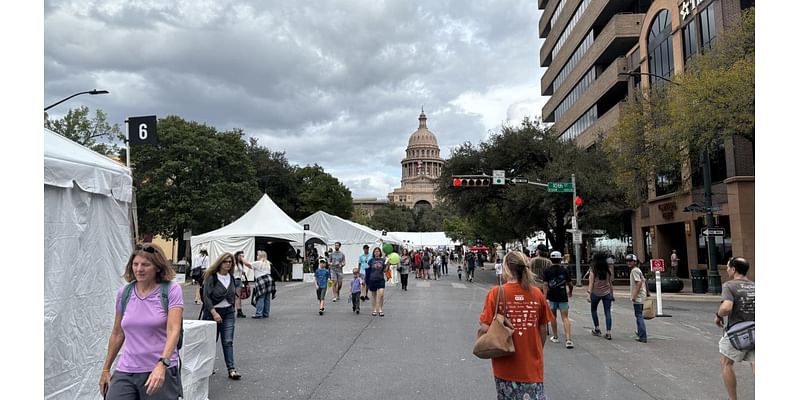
x=422 y=349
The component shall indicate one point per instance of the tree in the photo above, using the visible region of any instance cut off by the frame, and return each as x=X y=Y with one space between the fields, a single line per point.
x=95 y=133
x=194 y=178
x=515 y=212
x=392 y=218
x=321 y=191
x=360 y=216
x=276 y=177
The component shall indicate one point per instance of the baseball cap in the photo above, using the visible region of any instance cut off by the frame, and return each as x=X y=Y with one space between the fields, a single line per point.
x=555 y=254
x=631 y=257
x=322 y=259
x=542 y=248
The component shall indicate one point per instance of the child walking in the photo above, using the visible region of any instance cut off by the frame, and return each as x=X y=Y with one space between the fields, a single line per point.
x=322 y=275
x=459 y=272
x=355 y=290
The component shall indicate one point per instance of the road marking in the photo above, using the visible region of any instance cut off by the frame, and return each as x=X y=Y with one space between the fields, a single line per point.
x=458 y=285
x=663 y=372
x=293 y=284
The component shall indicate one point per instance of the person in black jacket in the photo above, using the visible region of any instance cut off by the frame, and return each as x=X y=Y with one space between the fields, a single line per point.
x=218 y=300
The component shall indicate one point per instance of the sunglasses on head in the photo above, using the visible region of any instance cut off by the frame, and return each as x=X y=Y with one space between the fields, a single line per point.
x=146 y=247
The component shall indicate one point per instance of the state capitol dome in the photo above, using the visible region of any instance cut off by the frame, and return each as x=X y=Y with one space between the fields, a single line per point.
x=421 y=168
x=423 y=137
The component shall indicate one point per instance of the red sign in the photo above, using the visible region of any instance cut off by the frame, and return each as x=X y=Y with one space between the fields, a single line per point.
x=657 y=265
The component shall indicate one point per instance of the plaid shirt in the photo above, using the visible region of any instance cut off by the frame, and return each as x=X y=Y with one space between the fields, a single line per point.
x=264 y=285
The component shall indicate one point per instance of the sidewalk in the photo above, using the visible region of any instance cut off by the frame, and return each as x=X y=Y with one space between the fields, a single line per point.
x=685 y=294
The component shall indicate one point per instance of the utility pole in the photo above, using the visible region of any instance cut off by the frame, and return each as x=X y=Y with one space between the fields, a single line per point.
x=576 y=234
x=714 y=281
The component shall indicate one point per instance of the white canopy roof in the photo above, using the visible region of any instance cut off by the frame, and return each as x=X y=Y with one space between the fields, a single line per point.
x=265 y=219
x=428 y=239
x=338 y=229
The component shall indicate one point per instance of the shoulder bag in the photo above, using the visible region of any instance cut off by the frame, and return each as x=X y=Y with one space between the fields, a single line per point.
x=649 y=309
x=498 y=341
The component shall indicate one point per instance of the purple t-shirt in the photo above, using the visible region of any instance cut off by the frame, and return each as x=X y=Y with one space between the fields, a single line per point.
x=145 y=328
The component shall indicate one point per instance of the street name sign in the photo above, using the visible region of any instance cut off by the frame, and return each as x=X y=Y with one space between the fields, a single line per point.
x=559 y=187
x=714 y=232
x=657 y=265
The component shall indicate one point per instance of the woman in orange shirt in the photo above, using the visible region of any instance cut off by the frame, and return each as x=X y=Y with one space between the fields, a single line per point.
x=521 y=373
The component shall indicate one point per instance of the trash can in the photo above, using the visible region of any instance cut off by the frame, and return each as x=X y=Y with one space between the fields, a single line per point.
x=699 y=281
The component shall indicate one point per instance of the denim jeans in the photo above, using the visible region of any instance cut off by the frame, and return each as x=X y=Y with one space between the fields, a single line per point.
x=262 y=305
x=641 y=330
x=606 y=310
x=225 y=329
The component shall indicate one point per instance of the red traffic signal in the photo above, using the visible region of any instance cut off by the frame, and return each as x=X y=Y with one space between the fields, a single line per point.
x=472 y=181
x=578 y=201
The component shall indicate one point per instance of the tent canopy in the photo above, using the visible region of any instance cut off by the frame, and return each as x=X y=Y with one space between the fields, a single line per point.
x=338 y=229
x=265 y=220
x=424 y=239
x=87 y=241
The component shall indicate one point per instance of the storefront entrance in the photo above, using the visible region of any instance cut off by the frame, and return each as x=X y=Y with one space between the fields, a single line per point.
x=673 y=237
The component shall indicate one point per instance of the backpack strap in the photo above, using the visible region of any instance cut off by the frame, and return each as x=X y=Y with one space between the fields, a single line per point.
x=165 y=297
x=126 y=295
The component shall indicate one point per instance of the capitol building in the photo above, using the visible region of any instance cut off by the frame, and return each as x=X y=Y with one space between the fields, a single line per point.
x=422 y=167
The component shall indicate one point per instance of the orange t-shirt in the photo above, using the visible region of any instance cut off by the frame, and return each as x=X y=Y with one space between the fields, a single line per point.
x=527 y=310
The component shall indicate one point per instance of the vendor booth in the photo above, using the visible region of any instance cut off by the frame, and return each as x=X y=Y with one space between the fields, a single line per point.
x=264 y=227
x=87 y=241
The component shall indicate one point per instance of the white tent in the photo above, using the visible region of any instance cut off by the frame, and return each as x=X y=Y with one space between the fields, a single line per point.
x=87 y=240
x=265 y=219
x=424 y=239
x=353 y=236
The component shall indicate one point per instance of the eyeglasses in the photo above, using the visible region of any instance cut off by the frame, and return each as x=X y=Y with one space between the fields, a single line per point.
x=146 y=247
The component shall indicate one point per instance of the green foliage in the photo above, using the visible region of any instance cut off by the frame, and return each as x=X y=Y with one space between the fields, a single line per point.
x=321 y=191
x=514 y=212
x=392 y=218
x=195 y=177
x=276 y=177
x=95 y=132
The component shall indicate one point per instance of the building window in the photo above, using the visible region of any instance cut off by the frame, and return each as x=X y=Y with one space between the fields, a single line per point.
x=689 y=40
x=659 y=47
x=570 y=26
x=719 y=170
x=585 y=121
x=668 y=181
x=708 y=26
x=575 y=94
x=574 y=59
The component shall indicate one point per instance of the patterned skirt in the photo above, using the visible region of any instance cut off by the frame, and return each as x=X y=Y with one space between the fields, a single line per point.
x=508 y=390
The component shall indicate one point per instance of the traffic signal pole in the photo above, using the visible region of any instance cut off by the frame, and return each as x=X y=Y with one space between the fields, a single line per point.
x=575 y=233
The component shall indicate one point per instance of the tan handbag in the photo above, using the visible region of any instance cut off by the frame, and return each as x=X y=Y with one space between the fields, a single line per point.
x=649 y=311
x=498 y=341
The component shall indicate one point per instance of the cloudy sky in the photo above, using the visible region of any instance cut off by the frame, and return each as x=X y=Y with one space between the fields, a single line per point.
x=338 y=83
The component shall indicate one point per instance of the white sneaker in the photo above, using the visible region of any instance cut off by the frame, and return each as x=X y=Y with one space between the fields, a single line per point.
x=554 y=339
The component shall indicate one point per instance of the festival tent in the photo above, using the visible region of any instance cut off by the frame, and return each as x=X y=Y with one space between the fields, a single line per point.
x=87 y=241
x=265 y=220
x=425 y=239
x=353 y=236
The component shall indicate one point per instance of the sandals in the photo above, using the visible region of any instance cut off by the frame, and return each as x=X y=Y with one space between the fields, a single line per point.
x=570 y=344
x=381 y=314
x=374 y=314
x=232 y=374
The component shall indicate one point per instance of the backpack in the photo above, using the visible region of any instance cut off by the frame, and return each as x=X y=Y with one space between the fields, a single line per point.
x=126 y=295
x=743 y=335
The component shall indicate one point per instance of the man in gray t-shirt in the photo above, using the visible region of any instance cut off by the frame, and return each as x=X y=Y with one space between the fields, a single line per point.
x=638 y=293
x=738 y=304
x=337 y=270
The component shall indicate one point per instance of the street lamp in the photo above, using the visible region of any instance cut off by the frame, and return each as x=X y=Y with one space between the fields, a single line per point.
x=91 y=92
x=714 y=281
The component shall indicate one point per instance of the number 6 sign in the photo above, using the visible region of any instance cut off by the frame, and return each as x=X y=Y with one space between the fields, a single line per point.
x=142 y=130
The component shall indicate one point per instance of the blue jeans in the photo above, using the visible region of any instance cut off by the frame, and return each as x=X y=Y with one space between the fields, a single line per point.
x=641 y=330
x=606 y=310
x=262 y=305
x=225 y=329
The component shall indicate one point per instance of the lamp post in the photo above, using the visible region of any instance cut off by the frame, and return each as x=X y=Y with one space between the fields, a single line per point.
x=91 y=92
x=714 y=281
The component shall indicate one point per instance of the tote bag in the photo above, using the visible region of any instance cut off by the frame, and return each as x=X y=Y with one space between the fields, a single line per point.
x=498 y=341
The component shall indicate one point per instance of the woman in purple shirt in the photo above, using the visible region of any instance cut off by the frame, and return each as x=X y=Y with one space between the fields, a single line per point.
x=148 y=366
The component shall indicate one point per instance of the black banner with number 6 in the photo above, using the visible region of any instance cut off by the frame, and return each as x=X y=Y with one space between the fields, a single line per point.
x=142 y=130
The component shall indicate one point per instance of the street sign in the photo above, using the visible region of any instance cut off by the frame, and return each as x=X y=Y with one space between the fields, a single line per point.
x=657 y=265
x=574 y=222
x=577 y=236
x=559 y=187
x=519 y=180
x=142 y=130
x=714 y=232
x=499 y=177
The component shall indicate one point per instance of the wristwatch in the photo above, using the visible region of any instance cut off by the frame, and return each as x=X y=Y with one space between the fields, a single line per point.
x=164 y=361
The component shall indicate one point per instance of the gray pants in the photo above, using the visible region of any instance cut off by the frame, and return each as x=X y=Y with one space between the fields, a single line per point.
x=128 y=386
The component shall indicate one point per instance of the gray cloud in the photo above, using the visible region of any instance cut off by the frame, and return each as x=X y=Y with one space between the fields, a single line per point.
x=338 y=83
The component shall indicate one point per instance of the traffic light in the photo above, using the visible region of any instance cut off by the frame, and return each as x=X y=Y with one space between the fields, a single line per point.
x=472 y=181
x=579 y=207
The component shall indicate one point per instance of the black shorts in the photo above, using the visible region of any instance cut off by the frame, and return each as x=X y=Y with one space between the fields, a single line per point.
x=321 y=293
x=375 y=285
